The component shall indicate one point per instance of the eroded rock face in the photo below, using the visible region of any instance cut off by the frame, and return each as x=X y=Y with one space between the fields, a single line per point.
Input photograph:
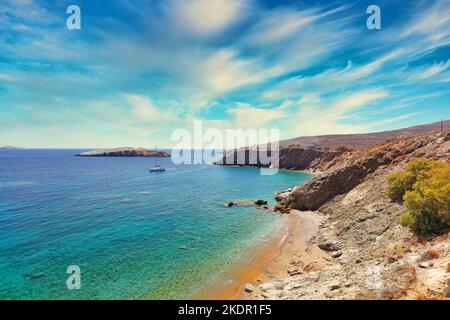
x=347 y=173
x=289 y=158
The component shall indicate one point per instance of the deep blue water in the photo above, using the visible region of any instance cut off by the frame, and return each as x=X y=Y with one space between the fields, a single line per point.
x=133 y=234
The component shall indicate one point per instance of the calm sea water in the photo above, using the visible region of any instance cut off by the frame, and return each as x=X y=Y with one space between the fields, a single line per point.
x=133 y=234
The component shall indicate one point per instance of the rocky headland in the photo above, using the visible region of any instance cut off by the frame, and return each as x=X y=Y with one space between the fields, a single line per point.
x=315 y=152
x=124 y=152
x=359 y=250
x=293 y=158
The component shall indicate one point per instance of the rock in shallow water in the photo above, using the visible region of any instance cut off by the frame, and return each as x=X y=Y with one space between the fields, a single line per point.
x=246 y=203
x=260 y=202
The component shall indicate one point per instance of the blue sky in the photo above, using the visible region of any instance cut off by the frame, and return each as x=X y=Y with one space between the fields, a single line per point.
x=137 y=70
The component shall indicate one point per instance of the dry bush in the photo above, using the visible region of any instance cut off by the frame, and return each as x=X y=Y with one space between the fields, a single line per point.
x=391 y=293
x=429 y=255
x=447 y=289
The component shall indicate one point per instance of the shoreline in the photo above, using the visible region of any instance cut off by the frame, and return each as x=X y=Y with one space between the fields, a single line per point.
x=306 y=170
x=251 y=265
x=267 y=261
x=267 y=257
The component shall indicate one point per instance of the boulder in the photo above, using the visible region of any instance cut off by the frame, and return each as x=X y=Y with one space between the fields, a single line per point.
x=249 y=288
x=334 y=286
x=293 y=271
x=329 y=246
x=336 y=254
x=282 y=209
x=267 y=286
x=424 y=265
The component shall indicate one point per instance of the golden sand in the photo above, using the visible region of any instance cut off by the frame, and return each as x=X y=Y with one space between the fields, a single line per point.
x=269 y=259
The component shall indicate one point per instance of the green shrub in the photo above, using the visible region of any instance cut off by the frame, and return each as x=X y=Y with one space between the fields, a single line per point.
x=406 y=220
x=426 y=224
x=403 y=181
x=399 y=184
x=424 y=186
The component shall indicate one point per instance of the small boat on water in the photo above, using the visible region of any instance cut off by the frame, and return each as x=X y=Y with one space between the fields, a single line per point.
x=157 y=167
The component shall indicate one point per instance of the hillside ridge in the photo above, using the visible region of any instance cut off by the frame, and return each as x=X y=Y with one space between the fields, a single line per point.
x=363 y=140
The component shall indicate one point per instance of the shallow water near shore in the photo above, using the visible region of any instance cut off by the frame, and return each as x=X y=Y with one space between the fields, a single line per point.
x=134 y=235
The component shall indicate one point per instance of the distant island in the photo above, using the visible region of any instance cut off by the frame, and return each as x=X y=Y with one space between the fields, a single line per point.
x=11 y=147
x=124 y=152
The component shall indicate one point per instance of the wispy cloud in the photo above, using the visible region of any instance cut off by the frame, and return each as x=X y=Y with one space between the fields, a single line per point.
x=305 y=69
x=429 y=71
x=204 y=17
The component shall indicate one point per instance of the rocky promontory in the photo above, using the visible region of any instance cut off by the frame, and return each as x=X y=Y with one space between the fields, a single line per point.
x=293 y=158
x=125 y=152
x=318 y=151
x=360 y=250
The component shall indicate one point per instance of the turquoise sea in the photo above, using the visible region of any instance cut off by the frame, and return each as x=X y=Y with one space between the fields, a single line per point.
x=134 y=235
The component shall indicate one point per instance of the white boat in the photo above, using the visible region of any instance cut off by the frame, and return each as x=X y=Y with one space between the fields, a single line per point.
x=157 y=167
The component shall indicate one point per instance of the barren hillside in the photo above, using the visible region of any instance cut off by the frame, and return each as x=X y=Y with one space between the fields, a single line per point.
x=361 y=141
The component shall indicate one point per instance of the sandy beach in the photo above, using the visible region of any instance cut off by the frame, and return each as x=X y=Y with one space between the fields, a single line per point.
x=284 y=250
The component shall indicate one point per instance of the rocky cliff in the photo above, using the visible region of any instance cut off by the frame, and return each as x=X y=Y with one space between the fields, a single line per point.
x=319 y=152
x=124 y=152
x=289 y=158
x=346 y=172
x=364 y=252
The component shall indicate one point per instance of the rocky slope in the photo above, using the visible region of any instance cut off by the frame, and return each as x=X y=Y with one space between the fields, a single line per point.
x=313 y=152
x=362 y=141
x=365 y=253
x=124 y=152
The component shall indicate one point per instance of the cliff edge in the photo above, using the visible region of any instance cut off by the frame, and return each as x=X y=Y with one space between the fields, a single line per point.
x=364 y=252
